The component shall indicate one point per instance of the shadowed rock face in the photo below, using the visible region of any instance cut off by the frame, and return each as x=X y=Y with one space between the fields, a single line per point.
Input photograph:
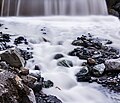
x=114 y=7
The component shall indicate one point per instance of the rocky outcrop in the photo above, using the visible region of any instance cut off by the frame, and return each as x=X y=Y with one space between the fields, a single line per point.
x=102 y=61
x=12 y=90
x=12 y=86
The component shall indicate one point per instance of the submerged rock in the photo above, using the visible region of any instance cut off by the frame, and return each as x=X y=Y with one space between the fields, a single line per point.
x=83 y=75
x=58 y=56
x=65 y=63
x=48 y=84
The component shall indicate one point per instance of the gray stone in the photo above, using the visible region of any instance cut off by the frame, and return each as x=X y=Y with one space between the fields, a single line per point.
x=98 y=70
x=112 y=65
x=83 y=75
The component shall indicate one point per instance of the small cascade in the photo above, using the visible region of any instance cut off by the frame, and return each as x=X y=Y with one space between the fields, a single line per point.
x=53 y=7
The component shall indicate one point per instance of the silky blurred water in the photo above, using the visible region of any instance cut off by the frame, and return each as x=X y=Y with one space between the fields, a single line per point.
x=53 y=7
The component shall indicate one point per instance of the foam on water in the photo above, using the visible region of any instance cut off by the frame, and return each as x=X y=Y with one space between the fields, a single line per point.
x=64 y=30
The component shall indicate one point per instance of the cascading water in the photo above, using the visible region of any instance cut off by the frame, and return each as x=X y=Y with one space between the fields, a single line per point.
x=60 y=32
x=53 y=7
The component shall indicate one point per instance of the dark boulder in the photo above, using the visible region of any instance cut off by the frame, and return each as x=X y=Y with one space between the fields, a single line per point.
x=48 y=84
x=83 y=75
x=58 y=56
x=20 y=40
x=43 y=98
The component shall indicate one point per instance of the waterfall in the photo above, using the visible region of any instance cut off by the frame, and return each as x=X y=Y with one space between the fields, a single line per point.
x=54 y=7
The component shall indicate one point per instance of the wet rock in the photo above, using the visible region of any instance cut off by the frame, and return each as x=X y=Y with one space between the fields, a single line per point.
x=1 y=24
x=84 y=64
x=37 y=67
x=4 y=66
x=112 y=83
x=97 y=54
x=83 y=75
x=45 y=40
x=82 y=53
x=58 y=56
x=113 y=65
x=37 y=87
x=24 y=71
x=5 y=38
x=29 y=80
x=98 y=70
x=95 y=49
x=38 y=76
x=48 y=84
x=109 y=42
x=77 y=43
x=4 y=46
x=43 y=98
x=6 y=28
x=91 y=61
x=26 y=54
x=65 y=63
x=13 y=58
x=20 y=40
x=113 y=50
x=12 y=90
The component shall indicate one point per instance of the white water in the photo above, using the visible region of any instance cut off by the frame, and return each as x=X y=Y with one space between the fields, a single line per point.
x=65 y=30
x=54 y=7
